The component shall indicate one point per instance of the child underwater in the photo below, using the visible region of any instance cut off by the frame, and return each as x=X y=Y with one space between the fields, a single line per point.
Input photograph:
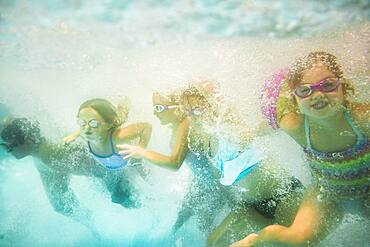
x=266 y=193
x=271 y=189
x=55 y=164
x=101 y=126
x=314 y=107
x=205 y=197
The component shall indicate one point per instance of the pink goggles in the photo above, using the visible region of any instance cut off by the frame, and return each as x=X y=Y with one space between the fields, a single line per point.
x=326 y=85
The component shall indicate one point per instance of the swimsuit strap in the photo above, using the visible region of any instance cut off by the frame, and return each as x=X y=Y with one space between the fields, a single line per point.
x=90 y=149
x=307 y=132
x=111 y=142
x=360 y=136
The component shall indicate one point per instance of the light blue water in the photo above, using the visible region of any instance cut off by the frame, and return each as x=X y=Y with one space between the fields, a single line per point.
x=56 y=54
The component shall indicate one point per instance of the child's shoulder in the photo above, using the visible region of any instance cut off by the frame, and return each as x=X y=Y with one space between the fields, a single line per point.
x=291 y=122
x=360 y=112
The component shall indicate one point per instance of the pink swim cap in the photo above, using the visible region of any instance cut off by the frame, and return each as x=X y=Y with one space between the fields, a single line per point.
x=269 y=97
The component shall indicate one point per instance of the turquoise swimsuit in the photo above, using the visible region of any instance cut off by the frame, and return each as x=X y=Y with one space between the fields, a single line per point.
x=112 y=161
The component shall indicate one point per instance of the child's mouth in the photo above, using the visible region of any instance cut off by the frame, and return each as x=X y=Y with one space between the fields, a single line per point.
x=319 y=105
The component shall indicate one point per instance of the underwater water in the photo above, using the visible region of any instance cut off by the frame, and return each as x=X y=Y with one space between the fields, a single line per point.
x=56 y=54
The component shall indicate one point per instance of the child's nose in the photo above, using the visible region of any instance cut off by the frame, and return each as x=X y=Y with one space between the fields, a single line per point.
x=317 y=94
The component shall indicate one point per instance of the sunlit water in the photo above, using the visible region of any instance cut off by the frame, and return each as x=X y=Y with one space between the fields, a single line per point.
x=54 y=55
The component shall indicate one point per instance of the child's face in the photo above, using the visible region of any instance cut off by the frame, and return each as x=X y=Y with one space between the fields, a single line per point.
x=92 y=125
x=167 y=116
x=320 y=104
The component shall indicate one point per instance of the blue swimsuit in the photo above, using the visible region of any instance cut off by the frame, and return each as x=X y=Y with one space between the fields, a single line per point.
x=112 y=161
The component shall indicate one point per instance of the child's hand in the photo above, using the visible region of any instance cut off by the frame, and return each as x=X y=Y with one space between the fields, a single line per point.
x=130 y=151
x=250 y=240
x=70 y=138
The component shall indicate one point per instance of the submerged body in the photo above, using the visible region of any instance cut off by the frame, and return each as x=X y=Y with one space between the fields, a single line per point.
x=260 y=191
x=56 y=163
x=205 y=196
x=101 y=126
x=264 y=193
x=334 y=134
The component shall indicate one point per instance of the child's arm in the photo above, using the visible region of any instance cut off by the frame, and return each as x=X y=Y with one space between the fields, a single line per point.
x=286 y=106
x=174 y=161
x=142 y=131
x=71 y=137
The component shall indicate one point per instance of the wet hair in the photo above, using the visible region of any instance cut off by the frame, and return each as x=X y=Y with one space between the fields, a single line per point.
x=21 y=130
x=105 y=109
x=173 y=97
x=301 y=65
x=193 y=91
x=209 y=104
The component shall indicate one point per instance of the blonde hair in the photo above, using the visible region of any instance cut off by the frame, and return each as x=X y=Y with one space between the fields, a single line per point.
x=195 y=91
x=173 y=96
x=123 y=109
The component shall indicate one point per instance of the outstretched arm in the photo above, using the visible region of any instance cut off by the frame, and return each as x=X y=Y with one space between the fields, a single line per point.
x=174 y=161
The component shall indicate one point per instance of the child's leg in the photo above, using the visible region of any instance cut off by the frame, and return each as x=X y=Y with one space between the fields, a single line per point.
x=212 y=200
x=186 y=209
x=64 y=201
x=121 y=189
x=126 y=194
x=184 y=214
